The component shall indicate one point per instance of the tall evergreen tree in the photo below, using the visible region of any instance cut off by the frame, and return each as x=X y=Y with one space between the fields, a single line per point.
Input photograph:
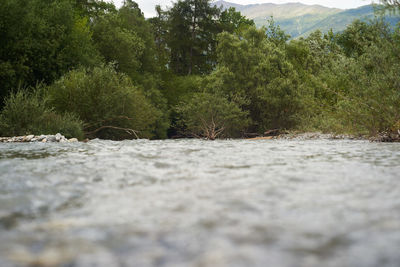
x=159 y=24
x=192 y=36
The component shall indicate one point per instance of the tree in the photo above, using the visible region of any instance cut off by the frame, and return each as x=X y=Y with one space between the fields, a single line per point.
x=40 y=41
x=119 y=44
x=254 y=71
x=391 y=4
x=125 y=37
x=192 y=36
x=359 y=35
x=93 y=8
x=160 y=30
x=233 y=22
x=275 y=34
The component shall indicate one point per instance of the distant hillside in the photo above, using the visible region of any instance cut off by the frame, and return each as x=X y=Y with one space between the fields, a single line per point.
x=281 y=11
x=299 y=19
x=304 y=25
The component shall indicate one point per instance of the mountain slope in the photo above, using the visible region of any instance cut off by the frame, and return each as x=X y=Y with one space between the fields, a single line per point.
x=337 y=22
x=299 y=20
x=282 y=11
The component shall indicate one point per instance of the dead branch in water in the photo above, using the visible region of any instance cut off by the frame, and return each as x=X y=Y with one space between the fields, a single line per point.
x=212 y=131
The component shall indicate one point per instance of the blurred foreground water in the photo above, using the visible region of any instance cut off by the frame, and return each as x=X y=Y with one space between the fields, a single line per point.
x=200 y=203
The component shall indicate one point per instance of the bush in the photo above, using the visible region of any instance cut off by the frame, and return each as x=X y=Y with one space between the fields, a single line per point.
x=211 y=116
x=255 y=72
x=27 y=113
x=107 y=102
x=366 y=96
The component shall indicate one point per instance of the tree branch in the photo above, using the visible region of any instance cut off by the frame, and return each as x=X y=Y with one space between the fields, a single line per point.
x=110 y=119
x=129 y=131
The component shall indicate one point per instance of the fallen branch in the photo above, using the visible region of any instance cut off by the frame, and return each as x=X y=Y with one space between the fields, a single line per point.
x=88 y=125
x=127 y=130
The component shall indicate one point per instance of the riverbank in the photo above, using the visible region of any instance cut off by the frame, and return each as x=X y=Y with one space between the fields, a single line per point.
x=386 y=137
x=57 y=138
x=383 y=137
x=313 y=135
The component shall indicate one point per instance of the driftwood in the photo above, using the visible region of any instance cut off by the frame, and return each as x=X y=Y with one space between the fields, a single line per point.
x=387 y=137
x=251 y=135
x=274 y=132
x=89 y=125
x=262 y=138
x=127 y=130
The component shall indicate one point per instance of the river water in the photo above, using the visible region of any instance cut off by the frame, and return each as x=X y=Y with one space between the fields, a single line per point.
x=200 y=203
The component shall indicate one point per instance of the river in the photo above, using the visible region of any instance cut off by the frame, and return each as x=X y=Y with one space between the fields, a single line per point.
x=289 y=203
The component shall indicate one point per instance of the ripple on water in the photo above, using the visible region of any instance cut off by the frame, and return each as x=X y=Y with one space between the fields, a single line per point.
x=200 y=203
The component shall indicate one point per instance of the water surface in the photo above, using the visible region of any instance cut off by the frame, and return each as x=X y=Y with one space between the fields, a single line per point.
x=200 y=203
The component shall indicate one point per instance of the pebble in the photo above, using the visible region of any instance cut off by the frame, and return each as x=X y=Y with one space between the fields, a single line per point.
x=58 y=138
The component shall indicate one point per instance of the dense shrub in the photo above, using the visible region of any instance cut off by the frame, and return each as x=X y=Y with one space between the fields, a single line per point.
x=373 y=103
x=255 y=72
x=108 y=103
x=359 y=89
x=27 y=113
x=211 y=116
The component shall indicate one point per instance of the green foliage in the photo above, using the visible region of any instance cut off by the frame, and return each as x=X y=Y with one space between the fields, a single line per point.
x=275 y=34
x=178 y=87
x=119 y=45
x=40 y=41
x=211 y=116
x=193 y=68
x=174 y=90
x=257 y=74
x=125 y=37
x=340 y=21
x=108 y=103
x=93 y=8
x=186 y=34
x=373 y=103
x=392 y=5
x=192 y=36
x=300 y=20
x=233 y=21
x=159 y=26
x=358 y=77
x=133 y=20
x=27 y=113
x=359 y=36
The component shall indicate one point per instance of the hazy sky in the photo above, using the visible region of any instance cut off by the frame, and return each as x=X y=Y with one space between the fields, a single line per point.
x=147 y=6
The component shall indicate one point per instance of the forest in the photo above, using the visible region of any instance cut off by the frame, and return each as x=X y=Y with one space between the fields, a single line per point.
x=87 y=69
